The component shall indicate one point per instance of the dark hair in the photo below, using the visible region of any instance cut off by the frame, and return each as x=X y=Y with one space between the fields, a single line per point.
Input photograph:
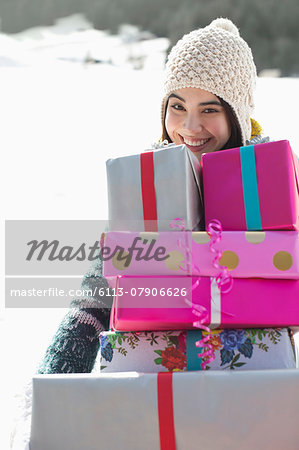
x=235 y=139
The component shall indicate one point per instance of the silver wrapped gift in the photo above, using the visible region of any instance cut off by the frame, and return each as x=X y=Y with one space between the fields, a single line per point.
x=172 y=183
x=212 y=410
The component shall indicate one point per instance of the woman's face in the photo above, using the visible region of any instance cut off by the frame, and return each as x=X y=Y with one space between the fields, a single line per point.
x=196 y=118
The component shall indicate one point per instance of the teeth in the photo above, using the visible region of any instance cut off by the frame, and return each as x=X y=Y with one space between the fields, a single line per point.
x=195 y=143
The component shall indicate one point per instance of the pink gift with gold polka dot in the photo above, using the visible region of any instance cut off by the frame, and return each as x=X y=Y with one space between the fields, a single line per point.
x=250 y=254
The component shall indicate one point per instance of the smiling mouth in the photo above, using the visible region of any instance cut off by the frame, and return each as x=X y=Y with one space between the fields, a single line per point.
x=195 y=144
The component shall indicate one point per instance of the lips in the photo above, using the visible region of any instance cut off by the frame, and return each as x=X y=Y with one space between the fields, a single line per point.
x=196 y=143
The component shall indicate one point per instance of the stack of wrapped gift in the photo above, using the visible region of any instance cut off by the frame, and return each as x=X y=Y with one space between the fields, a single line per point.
x=165 y=279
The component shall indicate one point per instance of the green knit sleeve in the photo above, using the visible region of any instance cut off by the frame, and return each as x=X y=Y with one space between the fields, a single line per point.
x=75 y=345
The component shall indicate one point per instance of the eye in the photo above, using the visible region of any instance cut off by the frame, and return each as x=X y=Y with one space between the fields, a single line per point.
x=177 y=107
x=210 y=110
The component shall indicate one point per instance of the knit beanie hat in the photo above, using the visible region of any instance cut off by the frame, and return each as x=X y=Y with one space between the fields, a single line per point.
x=215 y=59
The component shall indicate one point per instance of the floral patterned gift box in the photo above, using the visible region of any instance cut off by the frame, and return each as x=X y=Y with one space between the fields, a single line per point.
x=162 y=351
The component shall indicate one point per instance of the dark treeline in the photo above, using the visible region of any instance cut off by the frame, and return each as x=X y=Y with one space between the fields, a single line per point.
x=269 y=26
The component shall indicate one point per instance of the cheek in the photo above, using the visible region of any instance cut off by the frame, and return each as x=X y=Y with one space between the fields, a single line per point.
x=222 y=128
x=227 y=126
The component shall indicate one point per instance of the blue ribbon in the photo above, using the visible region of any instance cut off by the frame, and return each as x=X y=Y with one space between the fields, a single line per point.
x=193 y=361
x=250 y=190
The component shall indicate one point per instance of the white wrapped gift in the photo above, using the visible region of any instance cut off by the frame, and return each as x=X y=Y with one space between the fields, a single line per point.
x=147 y=191
x=211 y=410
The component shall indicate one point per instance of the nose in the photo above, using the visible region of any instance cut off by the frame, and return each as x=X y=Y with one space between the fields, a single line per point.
x=192 y=123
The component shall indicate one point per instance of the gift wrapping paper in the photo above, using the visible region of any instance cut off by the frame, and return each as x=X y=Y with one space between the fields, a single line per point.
x=253 y=187
x=249 y=254
x=257 y=409
x=160 y=303
x=168 y=351
x=149 y=190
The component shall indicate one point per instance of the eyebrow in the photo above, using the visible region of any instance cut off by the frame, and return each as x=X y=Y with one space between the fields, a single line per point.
x=212 y=102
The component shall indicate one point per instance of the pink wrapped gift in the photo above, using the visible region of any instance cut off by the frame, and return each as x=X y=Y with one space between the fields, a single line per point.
x=147 y=191
x=262 y=254
x=252 y=188
x=160 y=303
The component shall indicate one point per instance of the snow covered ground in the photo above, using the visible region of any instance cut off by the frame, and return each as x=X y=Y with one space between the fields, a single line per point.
x=61 y=118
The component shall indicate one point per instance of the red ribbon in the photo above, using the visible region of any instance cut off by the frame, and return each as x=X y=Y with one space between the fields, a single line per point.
x=165 y=411
x=148 y=191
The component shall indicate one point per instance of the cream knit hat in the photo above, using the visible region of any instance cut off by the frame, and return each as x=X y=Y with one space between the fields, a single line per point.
x=218 y=60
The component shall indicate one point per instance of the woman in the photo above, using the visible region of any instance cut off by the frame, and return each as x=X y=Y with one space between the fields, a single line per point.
x=210 y=78
x=209 y=83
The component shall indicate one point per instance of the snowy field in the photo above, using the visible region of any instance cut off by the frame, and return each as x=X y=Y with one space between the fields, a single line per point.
x=61 y=119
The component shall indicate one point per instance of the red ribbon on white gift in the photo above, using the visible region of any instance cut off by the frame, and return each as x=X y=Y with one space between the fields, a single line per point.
x=148 y=191
x=165 y=411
